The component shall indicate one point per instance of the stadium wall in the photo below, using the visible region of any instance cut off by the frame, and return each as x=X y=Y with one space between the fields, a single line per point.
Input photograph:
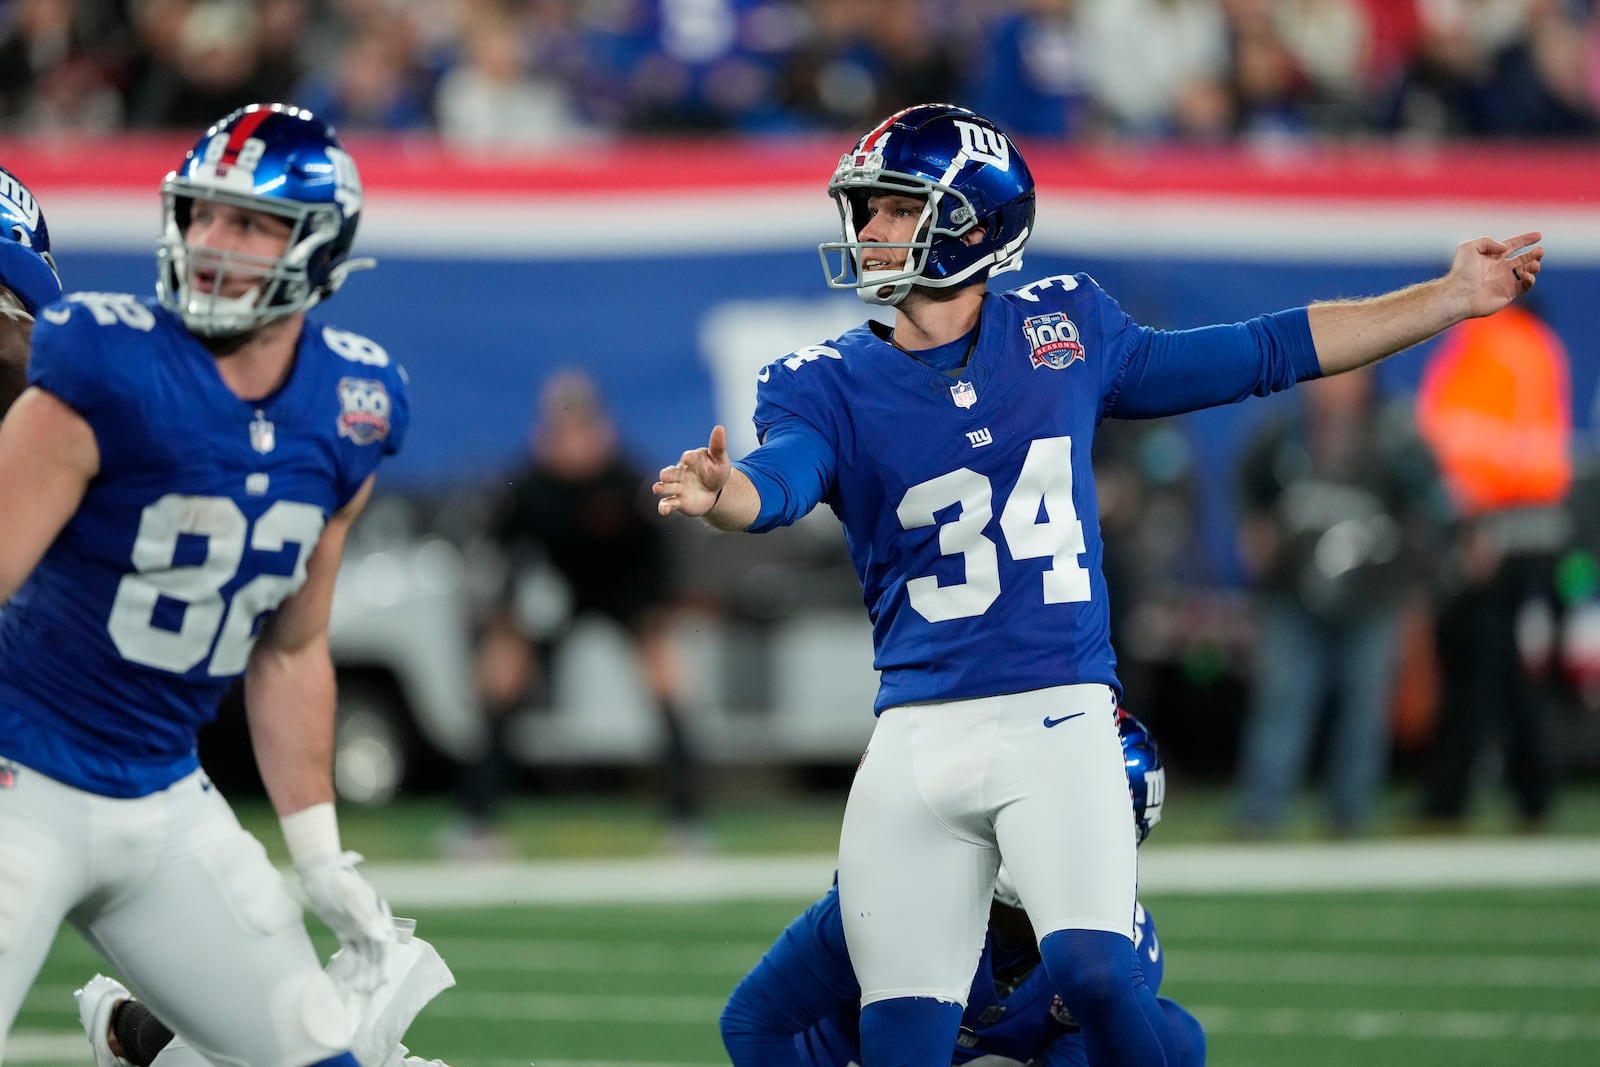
x=674 y=269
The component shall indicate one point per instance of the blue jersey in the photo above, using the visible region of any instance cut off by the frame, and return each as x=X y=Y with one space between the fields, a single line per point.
x=970 y=498
x=804 y=993
x=125 y=637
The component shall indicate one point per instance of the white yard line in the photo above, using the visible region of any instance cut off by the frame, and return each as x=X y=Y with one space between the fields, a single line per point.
x=1408 y=864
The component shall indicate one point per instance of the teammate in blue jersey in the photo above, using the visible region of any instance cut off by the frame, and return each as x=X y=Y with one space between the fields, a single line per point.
x=177 y=482
x=800 y=1006
x=954 y=446
x=28 y=280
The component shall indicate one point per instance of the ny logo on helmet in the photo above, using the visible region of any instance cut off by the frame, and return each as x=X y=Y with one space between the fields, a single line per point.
x=17 y=203
x=984 y=145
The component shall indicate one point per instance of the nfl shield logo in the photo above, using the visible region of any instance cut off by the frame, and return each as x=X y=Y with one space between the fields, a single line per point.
x=262 y=437
x=963 y=394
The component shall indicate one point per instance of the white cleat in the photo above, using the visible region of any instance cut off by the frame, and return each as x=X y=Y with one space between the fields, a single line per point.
x=96 y=1000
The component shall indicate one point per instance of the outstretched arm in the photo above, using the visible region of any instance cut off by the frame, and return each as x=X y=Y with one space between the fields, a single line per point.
x=1484 y=277
x=705 y=483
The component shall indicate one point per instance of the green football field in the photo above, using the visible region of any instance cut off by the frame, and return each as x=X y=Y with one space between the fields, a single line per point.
x=603 y=962
x=1384 y=979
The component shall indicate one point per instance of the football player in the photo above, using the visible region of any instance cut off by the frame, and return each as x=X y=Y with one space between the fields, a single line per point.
x=954 y=446
x=28 y=281
x=178 y=480
x=124 y=1033
x=800 y=1006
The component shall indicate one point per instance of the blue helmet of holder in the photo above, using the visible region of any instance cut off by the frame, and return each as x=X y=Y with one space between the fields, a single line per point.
x=26 y=266
x=1147 y=777
x=273 y=158
x=970 y=175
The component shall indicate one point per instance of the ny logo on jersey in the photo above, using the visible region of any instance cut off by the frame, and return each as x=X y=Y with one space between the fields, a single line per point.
x=979 y=438
x=984 y=145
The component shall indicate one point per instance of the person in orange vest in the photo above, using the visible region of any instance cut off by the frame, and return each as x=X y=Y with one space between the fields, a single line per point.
x=1495 y=406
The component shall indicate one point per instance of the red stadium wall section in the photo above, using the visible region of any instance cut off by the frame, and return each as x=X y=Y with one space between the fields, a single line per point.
x=1490 y=173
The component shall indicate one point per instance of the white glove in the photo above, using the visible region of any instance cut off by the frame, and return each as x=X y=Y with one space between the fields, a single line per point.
x=354 y=910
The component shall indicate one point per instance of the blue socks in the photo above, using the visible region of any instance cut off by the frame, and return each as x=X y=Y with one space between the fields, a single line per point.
x=1098 y=979
x=909 y=1032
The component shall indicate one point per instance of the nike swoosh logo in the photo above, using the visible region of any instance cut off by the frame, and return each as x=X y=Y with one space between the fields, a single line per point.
x=1049 y=722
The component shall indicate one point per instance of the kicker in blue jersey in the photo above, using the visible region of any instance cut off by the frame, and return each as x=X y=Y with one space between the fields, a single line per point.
x=954 y=445
x=987 y=475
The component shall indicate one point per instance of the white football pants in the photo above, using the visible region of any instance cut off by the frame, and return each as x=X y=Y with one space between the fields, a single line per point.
x=945 y=791
x=183 y=904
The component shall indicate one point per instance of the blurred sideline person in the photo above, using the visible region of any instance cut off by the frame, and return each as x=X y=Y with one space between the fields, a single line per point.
x=124 y=1033
x=800 y=1005
x=580 y=538
x=28 y=281
x=177 y=482
x=955 y=447
x=1496 y=407
x=1341 y=513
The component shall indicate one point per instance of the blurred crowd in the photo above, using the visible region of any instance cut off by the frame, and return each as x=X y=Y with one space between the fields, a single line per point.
x=504 y=75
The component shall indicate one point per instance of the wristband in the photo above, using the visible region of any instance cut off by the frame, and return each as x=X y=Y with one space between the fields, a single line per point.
x=311 y=832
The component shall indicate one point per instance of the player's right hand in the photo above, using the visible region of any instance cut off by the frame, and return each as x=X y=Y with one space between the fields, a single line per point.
x=694 y=482
x=353 y=909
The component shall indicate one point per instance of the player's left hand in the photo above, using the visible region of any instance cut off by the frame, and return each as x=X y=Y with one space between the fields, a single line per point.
x=354 y=910
x=1492 y=274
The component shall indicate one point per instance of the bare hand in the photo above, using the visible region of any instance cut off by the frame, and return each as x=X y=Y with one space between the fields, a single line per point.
x=693 y=484
x=1492 y=276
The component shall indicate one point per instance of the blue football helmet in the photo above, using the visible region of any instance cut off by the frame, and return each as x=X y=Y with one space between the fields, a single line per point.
x=26 y=266
x=272 y=158
x=1147 y=788
x=1147 y=777
x=970 y=174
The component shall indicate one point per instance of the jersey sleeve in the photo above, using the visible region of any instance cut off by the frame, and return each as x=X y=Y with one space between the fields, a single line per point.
x=804 y=979
x=1148 y=373
x=795 y=421
x=791 y=471
x=84 y=360
x=399 y=411
x=374 y=398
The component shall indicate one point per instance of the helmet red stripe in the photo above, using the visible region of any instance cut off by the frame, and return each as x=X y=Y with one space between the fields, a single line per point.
x=242 y=133
x=883 y=126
